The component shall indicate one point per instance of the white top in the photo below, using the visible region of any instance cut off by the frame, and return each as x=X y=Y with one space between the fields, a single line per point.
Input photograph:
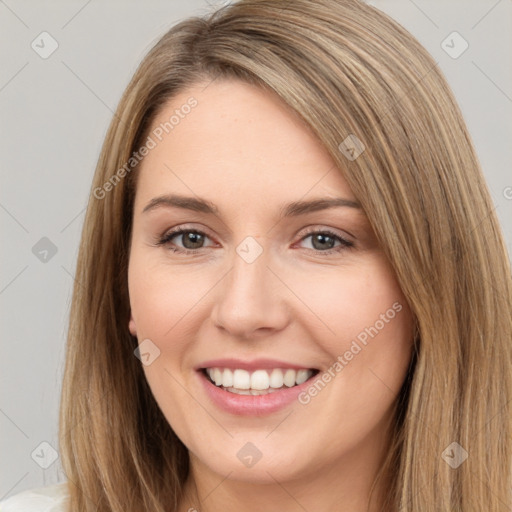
x=52 y=498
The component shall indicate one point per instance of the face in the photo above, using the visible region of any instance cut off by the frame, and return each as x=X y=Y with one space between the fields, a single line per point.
x=235 y=278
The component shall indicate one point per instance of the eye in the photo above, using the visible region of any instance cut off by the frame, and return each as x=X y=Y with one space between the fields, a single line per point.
x=324 y=241
x=191 y=239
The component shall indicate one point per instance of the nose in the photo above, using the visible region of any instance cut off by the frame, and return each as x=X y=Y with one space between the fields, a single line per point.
x=251 y=300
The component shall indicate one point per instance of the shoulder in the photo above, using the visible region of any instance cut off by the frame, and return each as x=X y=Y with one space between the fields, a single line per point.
x=52 y=498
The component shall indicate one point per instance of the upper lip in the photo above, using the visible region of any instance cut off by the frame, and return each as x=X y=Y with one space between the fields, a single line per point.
x=255 y=364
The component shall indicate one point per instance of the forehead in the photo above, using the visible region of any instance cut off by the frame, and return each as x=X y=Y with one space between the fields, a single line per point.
x=234 y=140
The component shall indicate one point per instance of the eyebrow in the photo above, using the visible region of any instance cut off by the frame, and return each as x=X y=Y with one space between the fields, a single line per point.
x=292 y=209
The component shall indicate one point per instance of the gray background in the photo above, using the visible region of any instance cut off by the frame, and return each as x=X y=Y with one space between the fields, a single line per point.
x=55 y=113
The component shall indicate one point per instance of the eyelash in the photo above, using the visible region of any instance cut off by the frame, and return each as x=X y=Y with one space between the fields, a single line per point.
x=167 y=237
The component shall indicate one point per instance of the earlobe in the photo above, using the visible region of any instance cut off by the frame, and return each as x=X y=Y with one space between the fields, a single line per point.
x=131 y=326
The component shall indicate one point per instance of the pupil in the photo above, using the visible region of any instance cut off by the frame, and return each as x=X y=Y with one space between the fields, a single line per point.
x=322 y=238
x=194 y=238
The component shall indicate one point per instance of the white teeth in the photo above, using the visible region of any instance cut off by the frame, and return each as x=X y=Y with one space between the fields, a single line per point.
x=289 y=378
x=258 y=382
x=218 y=376
x=276 y=378
x=227 y=378
x=302 y=376
x=241 y=379
x=243 y=391
x=251 y=391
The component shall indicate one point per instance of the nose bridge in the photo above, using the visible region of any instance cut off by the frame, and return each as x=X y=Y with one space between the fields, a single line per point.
x=249 y=298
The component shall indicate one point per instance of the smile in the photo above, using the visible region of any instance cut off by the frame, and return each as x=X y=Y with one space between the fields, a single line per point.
x=257 y=392
x=257 y=382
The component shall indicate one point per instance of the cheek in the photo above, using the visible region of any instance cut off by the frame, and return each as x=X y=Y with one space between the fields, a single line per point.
x=363 y=322
x=164 y=300
x=345 y=302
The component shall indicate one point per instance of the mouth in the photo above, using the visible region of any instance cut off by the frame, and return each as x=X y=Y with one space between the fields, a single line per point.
x=258 y=382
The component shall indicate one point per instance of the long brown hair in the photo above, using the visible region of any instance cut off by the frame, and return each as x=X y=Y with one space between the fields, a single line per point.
x=347 y=70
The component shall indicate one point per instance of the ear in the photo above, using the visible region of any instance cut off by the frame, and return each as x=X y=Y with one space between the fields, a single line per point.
x=131 y=326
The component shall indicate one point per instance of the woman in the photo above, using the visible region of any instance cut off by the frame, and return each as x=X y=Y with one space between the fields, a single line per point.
x=293 y=292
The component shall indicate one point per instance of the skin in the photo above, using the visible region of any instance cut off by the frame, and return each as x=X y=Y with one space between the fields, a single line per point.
x=242 y=149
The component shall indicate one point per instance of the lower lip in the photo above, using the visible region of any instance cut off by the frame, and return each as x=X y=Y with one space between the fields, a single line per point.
x=252 y=405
